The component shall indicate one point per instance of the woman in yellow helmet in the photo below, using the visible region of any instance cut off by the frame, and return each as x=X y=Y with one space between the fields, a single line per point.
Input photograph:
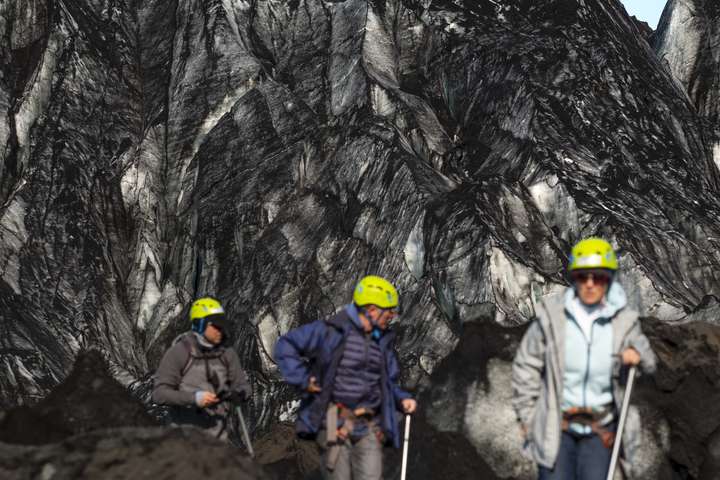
x=566 y=395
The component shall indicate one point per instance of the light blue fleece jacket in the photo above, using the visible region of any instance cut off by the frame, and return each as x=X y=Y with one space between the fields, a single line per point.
x=587 y=377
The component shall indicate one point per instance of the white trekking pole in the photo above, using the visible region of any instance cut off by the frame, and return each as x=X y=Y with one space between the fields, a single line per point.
x=246 y=434
x=621 y=423
x=406 y=442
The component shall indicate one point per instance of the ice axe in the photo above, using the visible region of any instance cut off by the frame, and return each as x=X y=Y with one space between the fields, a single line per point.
x=621 y=423
x=406 y=442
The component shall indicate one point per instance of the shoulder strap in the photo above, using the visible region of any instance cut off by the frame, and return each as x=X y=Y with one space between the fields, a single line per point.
x=224 y=360
x=186 y=343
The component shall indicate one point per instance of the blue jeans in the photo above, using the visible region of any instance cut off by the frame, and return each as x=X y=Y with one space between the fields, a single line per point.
x=581 y=457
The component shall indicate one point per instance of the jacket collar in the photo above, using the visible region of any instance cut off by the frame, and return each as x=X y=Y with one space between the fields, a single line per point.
x=623 y=318
x=614 y=301
x=203 y=345
x=348 y=316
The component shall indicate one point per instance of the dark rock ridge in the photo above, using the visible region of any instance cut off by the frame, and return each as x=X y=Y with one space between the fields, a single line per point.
x=122 y=453
x=90 y=427
x=88 y=399
x=271 y=152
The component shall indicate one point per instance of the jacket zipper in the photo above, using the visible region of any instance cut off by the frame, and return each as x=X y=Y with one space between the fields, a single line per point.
x=367 y=363
x=587 y=365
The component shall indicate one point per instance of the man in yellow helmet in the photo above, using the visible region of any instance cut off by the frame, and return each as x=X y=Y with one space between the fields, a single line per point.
x=566 y=379
x=348 y=372
x=198 y=376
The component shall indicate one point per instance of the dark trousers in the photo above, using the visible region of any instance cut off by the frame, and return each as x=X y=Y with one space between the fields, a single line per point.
x=581 y=457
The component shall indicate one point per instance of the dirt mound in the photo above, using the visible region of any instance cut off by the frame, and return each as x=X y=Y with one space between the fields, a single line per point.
x=91 y=427
x=89 y=399
x=137 y=453
x=284 y=455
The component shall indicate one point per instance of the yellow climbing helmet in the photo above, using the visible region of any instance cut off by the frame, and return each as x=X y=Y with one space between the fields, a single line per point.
x=374 y=290
x=204 y=307
x=593 y=252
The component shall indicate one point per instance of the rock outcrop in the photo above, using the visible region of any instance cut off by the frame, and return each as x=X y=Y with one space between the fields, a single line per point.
x=90 y=427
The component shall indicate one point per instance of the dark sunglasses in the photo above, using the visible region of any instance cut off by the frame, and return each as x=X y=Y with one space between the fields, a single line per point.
x=395 y=311
x=599 y=278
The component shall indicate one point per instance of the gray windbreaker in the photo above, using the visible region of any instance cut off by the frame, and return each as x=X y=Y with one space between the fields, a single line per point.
x=538 y=376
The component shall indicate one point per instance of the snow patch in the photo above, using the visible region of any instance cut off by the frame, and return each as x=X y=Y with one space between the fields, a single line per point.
x=268 y=333
x=366 y=227
x=642 y=294
x=150 y=298
x=14 y=235
x=428 y=363
x=381 y=102
x=272 y=209
x=37 y=98
x=543 y=194
x=512 y=285
x=151 y=294
x=326 y=255
x=289 y=411
x=130 y=184
x=417 y=30
x=210 y=122
x=30 y=381
x=557 y=206
x=716 y=155
x=415 y=249
x=230 y=12
x=379 y=51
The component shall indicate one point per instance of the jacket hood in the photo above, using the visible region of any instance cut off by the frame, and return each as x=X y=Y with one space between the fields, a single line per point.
x=615 y=300
x=354 y=315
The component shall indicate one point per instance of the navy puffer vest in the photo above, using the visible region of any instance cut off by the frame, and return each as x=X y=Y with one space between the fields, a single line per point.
x=357 y=383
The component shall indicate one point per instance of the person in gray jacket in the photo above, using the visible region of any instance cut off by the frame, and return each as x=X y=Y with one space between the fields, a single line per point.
x=568 y=374
x=199 y=377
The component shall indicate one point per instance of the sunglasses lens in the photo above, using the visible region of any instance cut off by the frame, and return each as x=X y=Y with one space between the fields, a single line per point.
x=598 y=278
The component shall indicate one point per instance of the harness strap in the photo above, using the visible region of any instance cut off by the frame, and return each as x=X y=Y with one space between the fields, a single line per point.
x=194 y=353
x=331 y=420
x=597 y=420
x=350 y=418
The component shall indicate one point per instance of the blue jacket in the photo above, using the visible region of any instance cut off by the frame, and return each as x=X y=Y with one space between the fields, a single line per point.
x=315 y=350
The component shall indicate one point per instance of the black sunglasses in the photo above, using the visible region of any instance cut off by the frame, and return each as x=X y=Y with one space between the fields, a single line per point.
x=600 y=278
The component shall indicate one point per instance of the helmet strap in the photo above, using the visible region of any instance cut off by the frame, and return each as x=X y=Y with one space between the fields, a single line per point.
x=362 y=310
x=376 y=331
x=198 y=325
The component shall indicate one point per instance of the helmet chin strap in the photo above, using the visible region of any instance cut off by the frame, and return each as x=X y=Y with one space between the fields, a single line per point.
x=376 y=331
x=199 y=326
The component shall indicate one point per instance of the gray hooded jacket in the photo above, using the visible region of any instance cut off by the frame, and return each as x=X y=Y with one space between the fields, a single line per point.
x=538 y=372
